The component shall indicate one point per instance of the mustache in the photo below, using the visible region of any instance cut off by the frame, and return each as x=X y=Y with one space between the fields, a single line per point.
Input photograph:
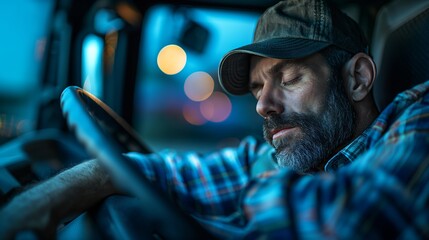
x=276 y=121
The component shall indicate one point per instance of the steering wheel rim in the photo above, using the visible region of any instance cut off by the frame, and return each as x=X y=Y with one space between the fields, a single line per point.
x=85 y=115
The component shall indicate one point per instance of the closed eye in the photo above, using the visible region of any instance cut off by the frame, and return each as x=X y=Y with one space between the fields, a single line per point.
x=291 y=82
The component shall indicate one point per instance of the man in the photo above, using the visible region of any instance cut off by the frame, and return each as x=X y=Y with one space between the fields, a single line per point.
x=344 y=170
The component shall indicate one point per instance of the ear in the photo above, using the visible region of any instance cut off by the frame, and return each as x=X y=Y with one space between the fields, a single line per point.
x=359 y=73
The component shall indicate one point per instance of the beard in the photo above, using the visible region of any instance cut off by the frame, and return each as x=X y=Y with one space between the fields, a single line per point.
x=321 y=134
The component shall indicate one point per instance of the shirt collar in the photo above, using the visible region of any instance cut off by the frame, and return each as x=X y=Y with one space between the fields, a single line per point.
x=349 y=153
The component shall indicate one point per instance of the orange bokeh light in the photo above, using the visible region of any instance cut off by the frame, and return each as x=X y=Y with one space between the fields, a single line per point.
x=171 y=59
x=192 y=115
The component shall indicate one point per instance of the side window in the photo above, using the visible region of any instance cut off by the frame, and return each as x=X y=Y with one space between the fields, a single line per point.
x=24 y=26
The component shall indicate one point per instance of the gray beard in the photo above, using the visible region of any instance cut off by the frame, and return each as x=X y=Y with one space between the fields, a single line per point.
x=321 y=135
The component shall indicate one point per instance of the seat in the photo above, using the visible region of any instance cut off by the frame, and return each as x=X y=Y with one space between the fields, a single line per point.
x=400 y=48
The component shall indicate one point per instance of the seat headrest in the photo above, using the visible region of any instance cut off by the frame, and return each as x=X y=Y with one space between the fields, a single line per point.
x=400 y=48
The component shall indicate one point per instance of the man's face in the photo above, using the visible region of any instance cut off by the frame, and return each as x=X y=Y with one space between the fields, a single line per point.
x=307 y=118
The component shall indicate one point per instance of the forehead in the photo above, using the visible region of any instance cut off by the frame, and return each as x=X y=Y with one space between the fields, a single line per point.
x=271 y=66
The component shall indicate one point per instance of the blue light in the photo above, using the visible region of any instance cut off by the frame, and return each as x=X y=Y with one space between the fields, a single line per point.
x=92 y=65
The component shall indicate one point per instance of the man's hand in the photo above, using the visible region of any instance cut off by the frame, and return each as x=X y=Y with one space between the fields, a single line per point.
x=29 y=215
x=43 y=207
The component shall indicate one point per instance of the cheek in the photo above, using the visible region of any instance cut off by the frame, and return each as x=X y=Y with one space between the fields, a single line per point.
x=316 y=98
x=309 y=100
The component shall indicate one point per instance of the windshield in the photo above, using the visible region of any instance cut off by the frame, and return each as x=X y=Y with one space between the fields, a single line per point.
x=179 y=103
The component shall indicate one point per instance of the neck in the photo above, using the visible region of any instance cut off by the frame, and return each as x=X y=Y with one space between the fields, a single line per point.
x=366 y=114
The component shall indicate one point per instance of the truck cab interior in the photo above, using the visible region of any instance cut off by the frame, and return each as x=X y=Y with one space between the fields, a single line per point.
x=152 y=65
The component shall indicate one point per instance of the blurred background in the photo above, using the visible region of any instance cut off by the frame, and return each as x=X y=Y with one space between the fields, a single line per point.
x=155 y=64
x=178 y=101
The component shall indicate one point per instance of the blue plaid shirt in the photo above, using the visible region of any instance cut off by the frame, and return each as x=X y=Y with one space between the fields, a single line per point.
x=376 y=187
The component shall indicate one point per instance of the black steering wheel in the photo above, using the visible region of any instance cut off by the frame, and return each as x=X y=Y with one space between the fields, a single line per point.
x=107 y=136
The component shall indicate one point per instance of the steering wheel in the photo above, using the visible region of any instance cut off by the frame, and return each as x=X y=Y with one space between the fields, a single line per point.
x=107 y=136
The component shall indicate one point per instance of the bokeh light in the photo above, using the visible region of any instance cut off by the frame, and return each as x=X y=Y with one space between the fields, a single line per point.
x=171 y=59
x=216 y=108
x=199 y=86
x=192 y=115
x=92 y=64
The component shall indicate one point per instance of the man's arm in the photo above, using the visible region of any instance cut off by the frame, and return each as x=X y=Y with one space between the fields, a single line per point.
x=44 y=206
x=201 y=184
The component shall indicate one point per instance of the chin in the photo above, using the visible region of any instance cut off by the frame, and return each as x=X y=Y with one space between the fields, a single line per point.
x=300 y=162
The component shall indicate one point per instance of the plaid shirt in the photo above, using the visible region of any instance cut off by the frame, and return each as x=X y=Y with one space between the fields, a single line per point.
x=376 y=187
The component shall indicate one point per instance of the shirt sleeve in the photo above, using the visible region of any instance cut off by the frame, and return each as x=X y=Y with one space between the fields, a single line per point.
x=207 y=184
x=381 y=195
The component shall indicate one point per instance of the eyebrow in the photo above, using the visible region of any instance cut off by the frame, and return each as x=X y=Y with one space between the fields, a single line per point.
x=279 y=66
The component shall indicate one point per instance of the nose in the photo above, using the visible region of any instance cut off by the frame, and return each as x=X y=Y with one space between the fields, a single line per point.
x=269 y=103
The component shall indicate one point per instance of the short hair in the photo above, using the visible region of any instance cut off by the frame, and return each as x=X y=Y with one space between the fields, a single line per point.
x=336 y=57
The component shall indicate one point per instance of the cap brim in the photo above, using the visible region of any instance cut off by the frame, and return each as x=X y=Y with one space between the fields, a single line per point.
x=234 y=67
